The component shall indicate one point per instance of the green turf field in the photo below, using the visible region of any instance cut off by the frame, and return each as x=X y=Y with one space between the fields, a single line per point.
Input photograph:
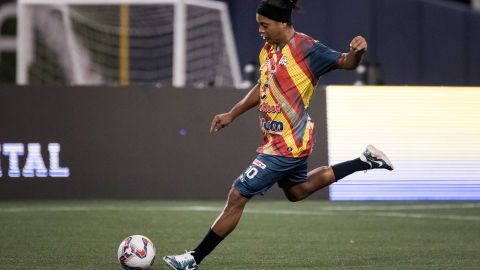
x=271 y=235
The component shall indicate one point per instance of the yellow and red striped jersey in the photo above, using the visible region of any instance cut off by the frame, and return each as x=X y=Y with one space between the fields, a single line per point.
x=287 y=81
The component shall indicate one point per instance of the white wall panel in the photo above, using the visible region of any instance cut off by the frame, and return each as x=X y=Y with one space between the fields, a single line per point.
x=431 y=134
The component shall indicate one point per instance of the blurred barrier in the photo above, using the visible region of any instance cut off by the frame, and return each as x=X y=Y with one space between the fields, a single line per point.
x=476 y=4
x=417 y=42
x=138 y=142
x=146 y=142
x=431 y=134
x=7 y=43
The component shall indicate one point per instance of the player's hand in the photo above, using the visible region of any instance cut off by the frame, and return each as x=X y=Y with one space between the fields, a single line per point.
x=358 y=45
x=220 y=121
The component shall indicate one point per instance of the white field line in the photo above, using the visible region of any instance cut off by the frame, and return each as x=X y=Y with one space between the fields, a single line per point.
x=378 y=210
x=402 y=207
x=109 y=208
x=423 y=216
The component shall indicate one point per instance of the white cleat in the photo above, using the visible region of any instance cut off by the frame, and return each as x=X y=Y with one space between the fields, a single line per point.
x=181 y=262
x=376 y=158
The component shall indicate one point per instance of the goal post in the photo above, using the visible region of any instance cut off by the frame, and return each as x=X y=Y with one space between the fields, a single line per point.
x=85 y=42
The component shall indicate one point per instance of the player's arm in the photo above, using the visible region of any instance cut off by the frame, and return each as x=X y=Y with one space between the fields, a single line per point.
x=251 y=100
x=352 y=59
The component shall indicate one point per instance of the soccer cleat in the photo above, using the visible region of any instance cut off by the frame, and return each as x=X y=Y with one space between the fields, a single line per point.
x=376 y=158
x=181 y=262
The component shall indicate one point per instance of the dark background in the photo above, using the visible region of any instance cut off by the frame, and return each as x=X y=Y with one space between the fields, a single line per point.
x=127 y=142
x=416 y=42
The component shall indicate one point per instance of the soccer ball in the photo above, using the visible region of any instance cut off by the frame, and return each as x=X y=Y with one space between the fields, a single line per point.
x=136 y=252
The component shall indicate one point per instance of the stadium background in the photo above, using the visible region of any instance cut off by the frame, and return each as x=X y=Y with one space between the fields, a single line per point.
x=148 y=142
x=416 y=42
x=140 y=159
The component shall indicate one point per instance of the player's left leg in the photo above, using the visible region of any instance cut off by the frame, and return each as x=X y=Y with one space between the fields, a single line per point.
x=256 y=179
x=316 y=179
x=321 y=177
x=231 y=214
x=223 y=226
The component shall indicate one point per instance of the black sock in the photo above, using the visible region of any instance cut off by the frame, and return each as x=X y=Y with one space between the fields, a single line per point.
x=348 y=167
x=208 y=244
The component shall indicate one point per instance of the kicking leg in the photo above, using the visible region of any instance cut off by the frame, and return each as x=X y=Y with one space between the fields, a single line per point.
x=316 y=179
x=321 y=177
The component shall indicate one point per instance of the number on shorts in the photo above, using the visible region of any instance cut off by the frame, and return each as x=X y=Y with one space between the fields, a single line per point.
x=251 y=172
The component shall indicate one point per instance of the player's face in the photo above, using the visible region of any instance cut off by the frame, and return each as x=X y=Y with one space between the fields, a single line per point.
x=272 y=31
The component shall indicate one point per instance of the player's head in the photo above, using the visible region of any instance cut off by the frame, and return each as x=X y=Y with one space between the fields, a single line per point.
x=274 y=18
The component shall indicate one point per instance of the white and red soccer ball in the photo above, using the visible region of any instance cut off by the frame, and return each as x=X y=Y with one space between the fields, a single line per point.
x=136 y=252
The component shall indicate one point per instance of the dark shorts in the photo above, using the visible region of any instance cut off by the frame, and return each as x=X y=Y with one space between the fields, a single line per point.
x=266 y=170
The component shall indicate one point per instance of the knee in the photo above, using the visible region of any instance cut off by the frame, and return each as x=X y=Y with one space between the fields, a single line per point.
x=235 y=200
x=293 y=197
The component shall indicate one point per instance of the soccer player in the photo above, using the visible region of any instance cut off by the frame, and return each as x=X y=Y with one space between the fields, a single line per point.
x=291 y=65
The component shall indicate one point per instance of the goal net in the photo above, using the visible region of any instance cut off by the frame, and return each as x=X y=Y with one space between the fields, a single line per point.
x=122 y=42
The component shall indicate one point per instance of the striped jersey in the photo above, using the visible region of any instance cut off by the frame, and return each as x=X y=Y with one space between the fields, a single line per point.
x=287 y=81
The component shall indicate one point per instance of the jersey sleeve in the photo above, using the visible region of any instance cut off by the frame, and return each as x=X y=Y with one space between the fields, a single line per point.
x=322 y=59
